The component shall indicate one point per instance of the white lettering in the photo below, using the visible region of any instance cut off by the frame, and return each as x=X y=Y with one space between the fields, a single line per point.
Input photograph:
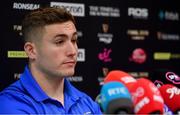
x=138 y=12
x=115 y=91
x=173 y=91
x=141 y=103
x=26 y=6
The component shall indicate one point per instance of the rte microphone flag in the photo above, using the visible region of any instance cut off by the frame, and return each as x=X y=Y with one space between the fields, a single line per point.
x=116 y=99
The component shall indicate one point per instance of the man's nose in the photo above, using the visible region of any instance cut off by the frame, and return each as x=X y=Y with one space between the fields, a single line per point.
x=72 y=49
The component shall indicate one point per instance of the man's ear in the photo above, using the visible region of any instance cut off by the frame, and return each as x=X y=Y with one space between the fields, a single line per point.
x=30 y=50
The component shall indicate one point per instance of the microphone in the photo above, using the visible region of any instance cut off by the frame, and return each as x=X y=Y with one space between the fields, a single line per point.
x=122 y=77
x=164 y=76
x=171 y=96
x=116 y=99
x=146 y=97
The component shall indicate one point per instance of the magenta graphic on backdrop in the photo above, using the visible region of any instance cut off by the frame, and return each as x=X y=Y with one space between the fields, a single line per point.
x=105 y=55
x=138 y=56
x=172 y=77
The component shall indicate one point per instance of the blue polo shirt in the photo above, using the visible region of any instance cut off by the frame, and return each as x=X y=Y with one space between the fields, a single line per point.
x=25 y=96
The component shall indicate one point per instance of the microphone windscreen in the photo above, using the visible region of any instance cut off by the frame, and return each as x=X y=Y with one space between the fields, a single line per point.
x=171 y=96
x=146 y=97
x=115 y=97
x=120 y=76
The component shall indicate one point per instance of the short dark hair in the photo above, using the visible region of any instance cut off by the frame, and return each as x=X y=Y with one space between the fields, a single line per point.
x=37 y=19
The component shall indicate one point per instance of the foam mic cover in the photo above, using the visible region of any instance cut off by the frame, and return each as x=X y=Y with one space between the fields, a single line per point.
x=164 y=76
x=146 y=97
x=120 y=76
x=171 y=96
x=115 y=99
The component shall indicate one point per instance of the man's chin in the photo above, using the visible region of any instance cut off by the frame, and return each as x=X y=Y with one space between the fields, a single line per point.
x=68 y=73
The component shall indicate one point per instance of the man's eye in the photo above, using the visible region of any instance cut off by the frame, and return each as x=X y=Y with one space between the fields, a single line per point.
x=74 y=40
x=58 y=42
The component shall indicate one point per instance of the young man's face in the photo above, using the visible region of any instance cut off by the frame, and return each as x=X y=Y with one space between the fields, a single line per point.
x=57 y=50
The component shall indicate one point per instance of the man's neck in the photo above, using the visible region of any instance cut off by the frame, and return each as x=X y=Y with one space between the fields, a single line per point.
x=53 y=87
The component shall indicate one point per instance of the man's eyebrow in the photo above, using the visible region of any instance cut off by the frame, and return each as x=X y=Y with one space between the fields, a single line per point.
x=64 y=35
x=75 y=33
x=60 y=35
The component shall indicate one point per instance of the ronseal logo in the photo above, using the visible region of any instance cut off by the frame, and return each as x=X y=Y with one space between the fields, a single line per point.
x=25 y=6
x=75 y=9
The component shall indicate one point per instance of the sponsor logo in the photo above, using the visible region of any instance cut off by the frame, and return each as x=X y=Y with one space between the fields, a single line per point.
x=79 y=33
x=138 y=13
x=81 y=55
x=105 y=71
x=16 y=54
x=104 y=11
x=17 y=76
x=165 y=56
x=105 y=36
x=75 y=79
x=138 y=56
x=18 y=29
x=158 y=83
x=141 y=104
x=22 y=54
x=172 y=77
x=154 y=89
x=167 y=36
x=137 y=34
x=168 y=15
x=139 y=92
x=25 y=6
x=139 y=74
x=173 y=91
x=105 y=55
x=117 y=90
x=76 y=9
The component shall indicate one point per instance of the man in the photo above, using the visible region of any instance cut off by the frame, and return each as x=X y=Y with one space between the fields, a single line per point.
x=50 y=39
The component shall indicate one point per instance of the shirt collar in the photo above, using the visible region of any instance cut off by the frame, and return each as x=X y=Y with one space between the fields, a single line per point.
x=33 y=88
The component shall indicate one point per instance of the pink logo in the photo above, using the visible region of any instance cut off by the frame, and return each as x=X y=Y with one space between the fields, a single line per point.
x=138 y=56
x=172 y=77
x=104 y=56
